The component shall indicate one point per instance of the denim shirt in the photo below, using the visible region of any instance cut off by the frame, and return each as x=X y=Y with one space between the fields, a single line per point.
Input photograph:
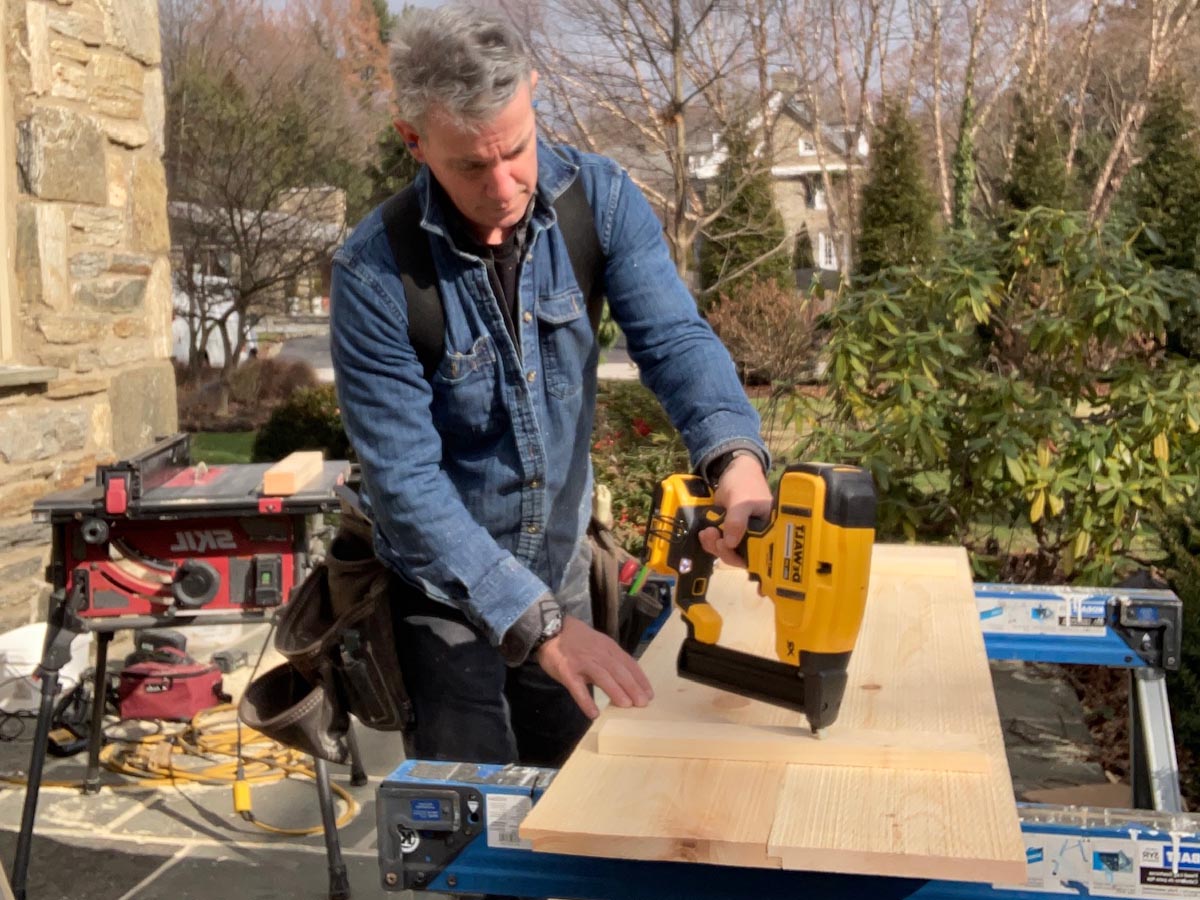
x=479 y=480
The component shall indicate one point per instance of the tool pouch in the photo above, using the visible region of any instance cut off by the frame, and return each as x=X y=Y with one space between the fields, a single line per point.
x=287 y=707
x=362 y=652
x=336 y=635
x=624 y=617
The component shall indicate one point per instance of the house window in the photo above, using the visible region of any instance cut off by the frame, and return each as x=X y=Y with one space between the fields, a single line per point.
x=806 y=147
x=818 y=197
x=827 y=251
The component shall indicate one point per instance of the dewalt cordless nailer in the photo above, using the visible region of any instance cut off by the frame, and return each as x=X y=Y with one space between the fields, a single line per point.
x=812 y=557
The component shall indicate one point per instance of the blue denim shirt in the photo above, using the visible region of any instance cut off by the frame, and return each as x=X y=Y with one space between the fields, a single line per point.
x=479 y=480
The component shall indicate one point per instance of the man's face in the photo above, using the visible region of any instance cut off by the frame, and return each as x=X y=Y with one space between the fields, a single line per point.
x=489 y=169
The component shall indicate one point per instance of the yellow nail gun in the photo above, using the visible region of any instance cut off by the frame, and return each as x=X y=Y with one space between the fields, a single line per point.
x=812 y=557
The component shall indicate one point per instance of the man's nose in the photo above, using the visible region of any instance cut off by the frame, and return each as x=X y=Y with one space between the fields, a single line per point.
x=500 y=184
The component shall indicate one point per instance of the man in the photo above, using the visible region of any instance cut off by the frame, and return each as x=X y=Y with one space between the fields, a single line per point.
x=479 y=478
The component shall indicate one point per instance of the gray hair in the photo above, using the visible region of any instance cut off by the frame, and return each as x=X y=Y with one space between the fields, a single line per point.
x=466 y=62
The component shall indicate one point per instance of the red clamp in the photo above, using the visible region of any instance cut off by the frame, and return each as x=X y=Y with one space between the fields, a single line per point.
x=116 y=497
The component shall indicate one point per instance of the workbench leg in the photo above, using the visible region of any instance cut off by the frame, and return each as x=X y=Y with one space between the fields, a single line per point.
x=1153 y=765
x=91 y=780
x=339 y=884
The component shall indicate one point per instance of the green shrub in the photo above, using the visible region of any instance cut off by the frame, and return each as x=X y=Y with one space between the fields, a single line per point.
x=308 y=420
x=1017 y=384
x=771 y=332
x=634 y=447
x=266 y=382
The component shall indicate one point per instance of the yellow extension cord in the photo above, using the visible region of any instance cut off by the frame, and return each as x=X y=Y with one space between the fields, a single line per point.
x=152 y=760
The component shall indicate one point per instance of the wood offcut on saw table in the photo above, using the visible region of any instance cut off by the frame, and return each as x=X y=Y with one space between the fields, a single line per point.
x=919 y=670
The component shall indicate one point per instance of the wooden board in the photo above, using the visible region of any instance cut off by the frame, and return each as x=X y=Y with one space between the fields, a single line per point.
x=292 y=473
x=920 y=666
x=782 y=743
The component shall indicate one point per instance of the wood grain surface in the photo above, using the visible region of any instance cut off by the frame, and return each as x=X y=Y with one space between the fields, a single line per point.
x=919 y=668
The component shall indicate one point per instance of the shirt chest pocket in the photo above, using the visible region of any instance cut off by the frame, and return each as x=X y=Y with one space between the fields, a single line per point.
x=467 y=405
x=566 y=341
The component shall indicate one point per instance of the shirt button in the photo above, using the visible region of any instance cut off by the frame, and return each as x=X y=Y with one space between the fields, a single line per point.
x=528 y=317
x=533 y=529
x=531 y=376
x=535 y=484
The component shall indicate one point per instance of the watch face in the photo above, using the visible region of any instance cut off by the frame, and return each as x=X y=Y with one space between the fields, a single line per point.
x=551 y=622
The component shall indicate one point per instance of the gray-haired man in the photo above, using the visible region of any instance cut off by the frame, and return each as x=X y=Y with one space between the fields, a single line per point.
x=479 y=477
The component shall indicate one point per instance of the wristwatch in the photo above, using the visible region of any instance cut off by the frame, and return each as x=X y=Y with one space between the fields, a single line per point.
x=552 y=624
x=718 y=466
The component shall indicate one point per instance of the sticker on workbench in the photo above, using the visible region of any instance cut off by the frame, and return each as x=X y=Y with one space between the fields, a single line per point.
x=1170 y=869
x=1109 y=866
x=1073 y=614
x=505 y=813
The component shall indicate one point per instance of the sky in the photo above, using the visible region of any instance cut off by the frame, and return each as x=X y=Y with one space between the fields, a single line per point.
x=397 y=5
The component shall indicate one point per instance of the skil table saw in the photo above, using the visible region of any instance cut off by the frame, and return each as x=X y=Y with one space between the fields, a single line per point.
x=157 y=541
x=454 y=827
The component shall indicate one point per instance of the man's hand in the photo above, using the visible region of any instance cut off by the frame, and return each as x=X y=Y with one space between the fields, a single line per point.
x=579 y=655
x=742 y=492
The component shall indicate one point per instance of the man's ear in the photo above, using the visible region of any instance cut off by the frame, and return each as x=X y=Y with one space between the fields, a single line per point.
x=533 y=78
x=411 y=138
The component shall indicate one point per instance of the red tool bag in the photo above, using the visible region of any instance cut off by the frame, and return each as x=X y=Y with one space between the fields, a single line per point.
x=169 y=685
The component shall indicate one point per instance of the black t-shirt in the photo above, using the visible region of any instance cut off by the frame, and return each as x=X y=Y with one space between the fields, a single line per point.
x=503 y=260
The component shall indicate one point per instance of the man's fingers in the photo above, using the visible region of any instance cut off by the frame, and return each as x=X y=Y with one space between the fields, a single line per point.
x=636 y=682
x=643 y=681
x=713 y=544
x=625 y=674
x=604 y=680
x=578 y=689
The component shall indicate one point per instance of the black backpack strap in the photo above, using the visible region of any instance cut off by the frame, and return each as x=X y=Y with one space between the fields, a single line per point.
x=578 y=227
x=410 y=248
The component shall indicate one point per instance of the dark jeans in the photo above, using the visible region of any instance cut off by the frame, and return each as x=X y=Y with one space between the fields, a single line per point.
x=471 y=707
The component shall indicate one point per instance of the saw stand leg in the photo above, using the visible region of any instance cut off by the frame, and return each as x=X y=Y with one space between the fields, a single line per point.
x=91 y=780
x=339 y=884
x=63 y=627
x=1154 y=768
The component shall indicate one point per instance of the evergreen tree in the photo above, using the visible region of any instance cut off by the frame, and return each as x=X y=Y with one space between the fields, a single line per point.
x=1165 y=196
x=1166 y=183
x=747 y=239
x=803 y=256
x=1038 y=176
x=387 y=20
x=393 y=168
x=897 y=205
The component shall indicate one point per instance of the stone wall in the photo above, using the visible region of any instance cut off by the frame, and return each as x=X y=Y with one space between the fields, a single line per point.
x=91 y=260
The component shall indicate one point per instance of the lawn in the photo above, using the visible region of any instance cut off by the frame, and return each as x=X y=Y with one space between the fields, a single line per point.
x=222 y=447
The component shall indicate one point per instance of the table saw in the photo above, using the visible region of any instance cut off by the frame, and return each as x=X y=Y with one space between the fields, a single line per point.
x=457 y=827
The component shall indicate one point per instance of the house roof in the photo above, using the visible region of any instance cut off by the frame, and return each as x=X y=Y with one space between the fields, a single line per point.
x=272 y=225
x=706 y=153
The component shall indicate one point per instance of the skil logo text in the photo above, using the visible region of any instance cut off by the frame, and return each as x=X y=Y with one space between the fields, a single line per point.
x=203 y=541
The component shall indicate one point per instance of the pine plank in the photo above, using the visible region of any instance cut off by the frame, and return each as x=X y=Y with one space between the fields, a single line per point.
x=920 y=666
x=862 y=748
x=292 y=473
